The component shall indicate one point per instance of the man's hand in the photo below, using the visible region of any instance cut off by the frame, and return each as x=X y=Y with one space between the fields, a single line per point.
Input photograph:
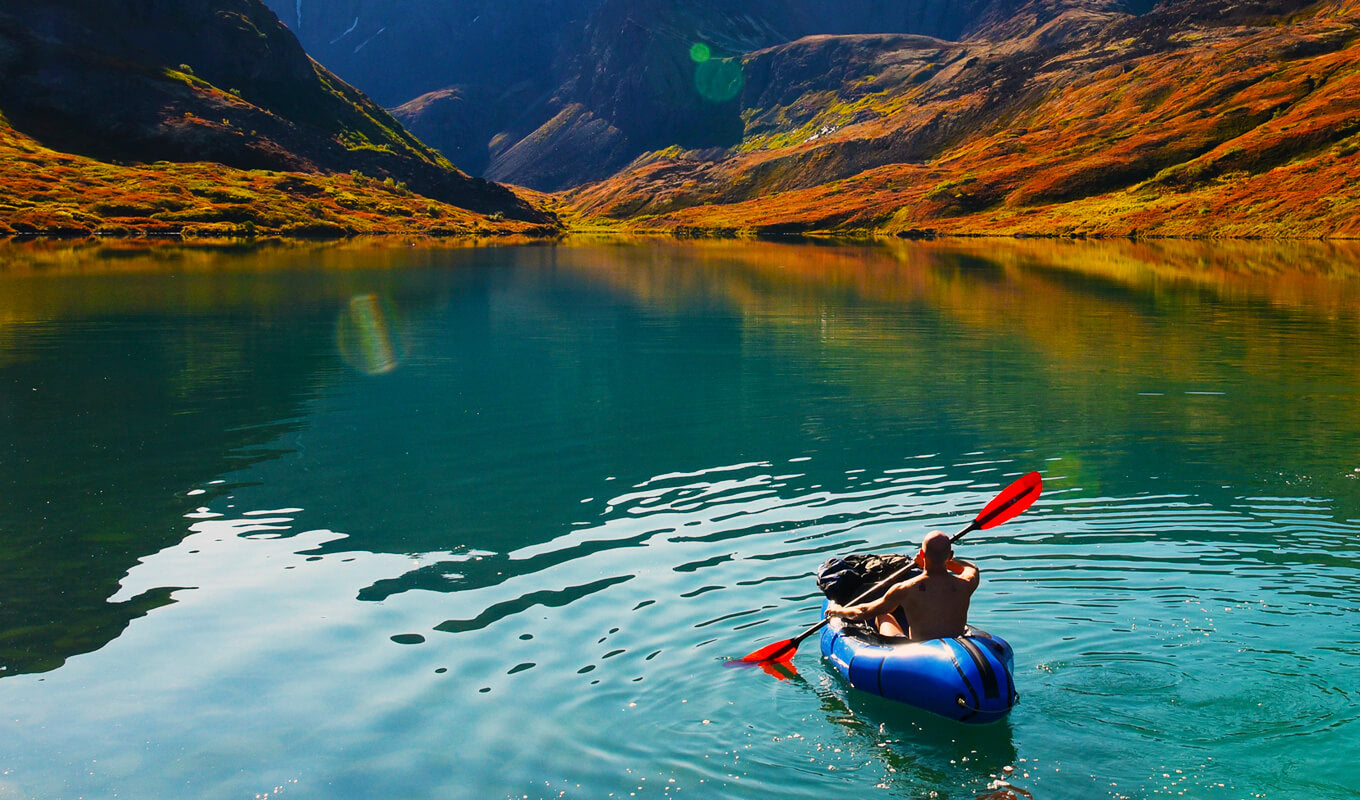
x=844 y=612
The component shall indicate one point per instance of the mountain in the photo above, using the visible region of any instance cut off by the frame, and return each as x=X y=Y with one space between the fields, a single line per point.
x=473 y=68
x=206 y=81
x=553 y=93
x=1110 y=117
x=1190 y=119
x=1059 y=117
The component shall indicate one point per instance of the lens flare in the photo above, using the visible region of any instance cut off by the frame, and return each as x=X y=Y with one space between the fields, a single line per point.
x=719 y=79
x=366 y=336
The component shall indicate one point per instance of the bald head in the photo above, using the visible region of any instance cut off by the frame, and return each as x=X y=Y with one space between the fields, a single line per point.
x=937 y=549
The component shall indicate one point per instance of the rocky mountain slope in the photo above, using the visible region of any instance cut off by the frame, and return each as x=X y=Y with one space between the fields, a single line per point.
x=1193 y=118
x=1016 y=116
x=457 y=74
x=212 y=81
x=552 y=94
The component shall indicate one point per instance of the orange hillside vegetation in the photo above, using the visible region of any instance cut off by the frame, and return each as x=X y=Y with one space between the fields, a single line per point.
x=58 y=193
x=1093 y=125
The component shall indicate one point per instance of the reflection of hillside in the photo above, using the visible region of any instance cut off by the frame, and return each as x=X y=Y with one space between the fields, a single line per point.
x=1084 y=341
x=1309 y=277
x=55 y=280
x=1322 y=277
x=1081 y=306
x=112 y=412
x=47 y=278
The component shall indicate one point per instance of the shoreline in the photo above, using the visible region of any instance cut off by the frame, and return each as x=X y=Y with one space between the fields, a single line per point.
x=1165 y=255
x=501 y=236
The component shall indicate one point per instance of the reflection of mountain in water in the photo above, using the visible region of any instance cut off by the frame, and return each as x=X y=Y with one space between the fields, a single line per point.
x=1209 y=355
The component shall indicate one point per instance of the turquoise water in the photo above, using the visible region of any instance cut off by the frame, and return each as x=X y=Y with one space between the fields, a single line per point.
x=402 y=522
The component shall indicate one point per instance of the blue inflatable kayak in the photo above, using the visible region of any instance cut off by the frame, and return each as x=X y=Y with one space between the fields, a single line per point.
x=967 y=678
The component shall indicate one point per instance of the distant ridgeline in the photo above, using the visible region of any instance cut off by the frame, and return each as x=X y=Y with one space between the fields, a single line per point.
x=88 y=85
x=1115 y=117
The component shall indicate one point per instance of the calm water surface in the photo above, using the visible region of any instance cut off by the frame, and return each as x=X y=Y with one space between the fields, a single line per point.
x=353 y=523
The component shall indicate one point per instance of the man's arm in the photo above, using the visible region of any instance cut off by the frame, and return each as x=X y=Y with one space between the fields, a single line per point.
x=967 y=571
x=883 y=605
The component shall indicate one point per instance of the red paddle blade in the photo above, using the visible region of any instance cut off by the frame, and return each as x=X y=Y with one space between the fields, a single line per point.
x=783 y=670
x=781 y=652
x=1017 y=497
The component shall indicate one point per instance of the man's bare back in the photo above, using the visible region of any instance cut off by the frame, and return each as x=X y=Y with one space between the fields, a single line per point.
x=935 y=602
x=936 y=605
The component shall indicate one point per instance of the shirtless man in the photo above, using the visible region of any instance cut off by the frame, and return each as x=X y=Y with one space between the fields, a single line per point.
x=935 y=602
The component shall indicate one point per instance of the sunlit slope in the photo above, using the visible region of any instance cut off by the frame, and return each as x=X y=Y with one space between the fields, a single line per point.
x=194 y=106
x=50 y=192
x=1195 y=119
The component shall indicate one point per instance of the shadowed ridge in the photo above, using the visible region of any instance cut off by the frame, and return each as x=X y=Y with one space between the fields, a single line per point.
x=206 y=80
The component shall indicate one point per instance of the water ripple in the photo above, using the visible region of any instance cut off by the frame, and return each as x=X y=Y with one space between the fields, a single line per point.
x=1120 y=608
x=547 y=598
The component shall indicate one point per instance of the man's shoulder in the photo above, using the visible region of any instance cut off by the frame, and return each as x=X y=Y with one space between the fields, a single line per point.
x=914 y=580
x=950 y=581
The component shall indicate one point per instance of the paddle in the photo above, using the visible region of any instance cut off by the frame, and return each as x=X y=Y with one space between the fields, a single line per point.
x=1014 y=499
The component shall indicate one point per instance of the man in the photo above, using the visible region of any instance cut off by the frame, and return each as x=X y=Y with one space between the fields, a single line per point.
x=935 y=602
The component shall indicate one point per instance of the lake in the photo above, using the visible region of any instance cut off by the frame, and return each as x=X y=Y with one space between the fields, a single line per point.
x=353 y=521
